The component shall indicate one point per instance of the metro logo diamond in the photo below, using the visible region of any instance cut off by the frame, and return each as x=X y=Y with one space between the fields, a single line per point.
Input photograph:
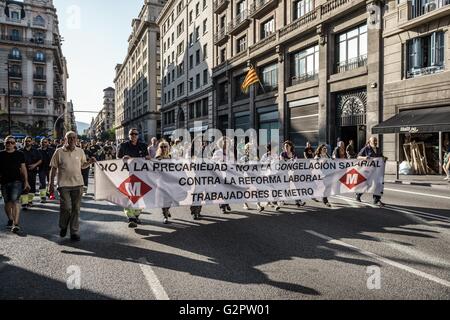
x=134 y=188
x=352 y=179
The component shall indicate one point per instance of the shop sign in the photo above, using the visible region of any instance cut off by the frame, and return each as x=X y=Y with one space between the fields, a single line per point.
x=409 y=129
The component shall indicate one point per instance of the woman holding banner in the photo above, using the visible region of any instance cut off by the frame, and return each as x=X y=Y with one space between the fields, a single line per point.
x=322 y=153
x=251 y=157
x=163 y=153
x=290 y=155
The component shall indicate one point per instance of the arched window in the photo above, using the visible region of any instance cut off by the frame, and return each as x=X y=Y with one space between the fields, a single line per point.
x=40 y=56
x=16 y=103
x=39 y=21
x=15 y=53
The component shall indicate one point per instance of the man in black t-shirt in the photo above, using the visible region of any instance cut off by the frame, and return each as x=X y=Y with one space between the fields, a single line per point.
x=128 y=150
x=33 y=159
x=44 y=168
x=309 y=151
x=13 y=180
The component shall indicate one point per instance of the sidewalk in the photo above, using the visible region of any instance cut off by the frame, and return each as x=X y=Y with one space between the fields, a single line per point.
x=425 y=181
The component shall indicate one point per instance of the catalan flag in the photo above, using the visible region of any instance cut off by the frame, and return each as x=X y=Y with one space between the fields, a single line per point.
x=251 y=78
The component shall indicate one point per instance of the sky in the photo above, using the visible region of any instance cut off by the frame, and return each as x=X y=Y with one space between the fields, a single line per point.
x=95 y=36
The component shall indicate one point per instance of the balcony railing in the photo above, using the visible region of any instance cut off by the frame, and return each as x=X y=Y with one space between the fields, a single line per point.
x=238 y=22
x=8 y=37
x=40 y=93
x=261 y=7
x=15 y=58
x=15 y=74
x=15 y=20
x=39 y=60
x=38 y=76
x=220 y=36
x=417 y=9
x=220 y=5
x=417 y=72
x=304 y=78
x=331 y=5
x=263 y=42
x=15 y=92
x=307 y=18
x=351 y=64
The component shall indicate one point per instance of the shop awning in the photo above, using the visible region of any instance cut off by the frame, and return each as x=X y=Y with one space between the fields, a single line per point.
x=417 y=121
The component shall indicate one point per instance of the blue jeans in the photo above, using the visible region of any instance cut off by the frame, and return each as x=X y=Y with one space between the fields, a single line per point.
x=12 y=191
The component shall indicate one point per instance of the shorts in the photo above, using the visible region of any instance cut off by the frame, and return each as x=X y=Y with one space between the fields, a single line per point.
x=12 y=191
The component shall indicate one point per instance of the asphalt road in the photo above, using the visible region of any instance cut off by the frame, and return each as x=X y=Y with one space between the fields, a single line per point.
x=352 y=251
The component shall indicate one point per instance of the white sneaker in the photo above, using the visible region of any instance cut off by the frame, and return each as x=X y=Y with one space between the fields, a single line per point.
x=260 y=209
x=447 y=178
x=246 y=207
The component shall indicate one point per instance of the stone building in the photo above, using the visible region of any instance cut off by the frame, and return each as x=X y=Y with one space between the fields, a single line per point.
x=138 y=78
x=186 y=55
x=34 y=87
x=416 y=46
x=319 y=62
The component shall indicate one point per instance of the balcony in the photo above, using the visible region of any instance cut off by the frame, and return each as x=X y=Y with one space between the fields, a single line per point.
x=15 y=75
x=300 y=22
x=304 y=78
x=13 y=38
x=351 y=64
x=220 y=5
x=15 y=93
x=221 y=37
x=421 y=9
x=39 y=61
x=418 y=72
x=260 y=8
x=39 y=77
x=239 y=23
x=14 y=58
x=40 y=94
x=263 y=43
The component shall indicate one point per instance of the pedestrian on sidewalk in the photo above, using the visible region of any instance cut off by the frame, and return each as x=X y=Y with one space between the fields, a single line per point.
x=371 y=150
x=13 y=180
x=85 y=172
x=44 y=168
x=129 y=150
x=33 y=159
x=67 y=163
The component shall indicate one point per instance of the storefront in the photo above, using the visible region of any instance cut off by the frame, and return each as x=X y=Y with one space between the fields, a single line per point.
x=304 y=123
x=423 y=137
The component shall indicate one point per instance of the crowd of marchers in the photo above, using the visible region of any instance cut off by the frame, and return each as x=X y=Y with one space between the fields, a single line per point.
x=60 y=170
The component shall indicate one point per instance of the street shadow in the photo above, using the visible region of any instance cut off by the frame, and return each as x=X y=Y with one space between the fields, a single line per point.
x=25 y=285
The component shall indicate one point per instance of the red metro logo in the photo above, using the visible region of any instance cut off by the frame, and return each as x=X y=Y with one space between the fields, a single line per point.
x=352 y=179
x=134 y=188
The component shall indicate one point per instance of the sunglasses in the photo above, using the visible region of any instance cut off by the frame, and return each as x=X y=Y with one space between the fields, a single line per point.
x=10 y=143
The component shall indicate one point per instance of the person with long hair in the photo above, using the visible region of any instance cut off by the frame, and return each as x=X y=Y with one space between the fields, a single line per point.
x=163 y=153
x=290 y=155
x=322 y=153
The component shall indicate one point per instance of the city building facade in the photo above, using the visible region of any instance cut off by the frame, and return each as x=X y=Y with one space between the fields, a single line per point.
x=138 y=78
x=69 y=120
x=416 y=108
x=186 y=55
x=319 y=63
x=33 y=72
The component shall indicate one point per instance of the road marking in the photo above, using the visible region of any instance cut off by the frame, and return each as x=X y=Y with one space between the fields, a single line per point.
x=153 y=281
x=381 y=259
x=400 y=210
x=418 y=194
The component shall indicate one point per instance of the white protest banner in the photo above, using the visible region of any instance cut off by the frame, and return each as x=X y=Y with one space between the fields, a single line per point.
x=142 y=184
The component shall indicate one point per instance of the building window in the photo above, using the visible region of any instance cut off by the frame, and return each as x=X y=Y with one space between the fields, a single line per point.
x=305 y=65
x=269 y=77
x=191 y=39
x=40 y=104
x=180 y=48
x=302 y=7
x=197 y=9
x=15 y=53
x=197 y=81
x=205 y=51
x=191 y=84
x=267 y=28
x=192 y=111
x=180 y=28
x=197 y=33
x=241 y=44
x=198 y=109
x=191 y=17
x=205 y=26
x=191 y=62
x=238 y=94
x=180 y=89
x=223 y=93
x=352 y=49
x=425 y=55
x=205 y=77
x=197 y=57
x=204 y=4
x=180 y=69
x=205 y=107
x=223 y=55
